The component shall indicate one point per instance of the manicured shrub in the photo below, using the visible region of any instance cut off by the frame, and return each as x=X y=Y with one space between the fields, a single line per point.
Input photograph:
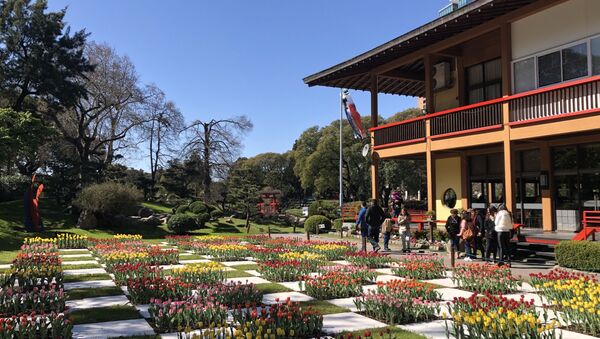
x=145 y=212
x=311 y=224
x=199 y=207
x=182 y=223
x=109 y=198
x=13 y=186
x=216 y=214
x=580 y=255
x=182 y=209
x=328 y=208
x=202 y=219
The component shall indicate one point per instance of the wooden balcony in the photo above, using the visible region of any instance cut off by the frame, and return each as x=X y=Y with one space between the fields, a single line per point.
x=544 y=105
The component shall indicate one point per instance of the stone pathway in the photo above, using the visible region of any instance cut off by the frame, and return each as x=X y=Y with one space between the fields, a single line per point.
x=112 y=329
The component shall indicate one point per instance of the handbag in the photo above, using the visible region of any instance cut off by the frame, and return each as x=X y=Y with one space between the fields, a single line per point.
x=468 y=233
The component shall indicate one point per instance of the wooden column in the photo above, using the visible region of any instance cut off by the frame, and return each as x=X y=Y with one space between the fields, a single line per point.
x=465 y=190
x=545 y=165
x=374 y=123
x=429 y=97
x=430 y=169
x=506 y=57
x=374 y=101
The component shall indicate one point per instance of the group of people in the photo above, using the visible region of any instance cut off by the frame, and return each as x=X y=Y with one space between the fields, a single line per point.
x=488 y=231
x=373 y=221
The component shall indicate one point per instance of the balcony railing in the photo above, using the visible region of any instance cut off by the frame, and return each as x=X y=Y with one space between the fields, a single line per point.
x=558 y=101
x=576 y=97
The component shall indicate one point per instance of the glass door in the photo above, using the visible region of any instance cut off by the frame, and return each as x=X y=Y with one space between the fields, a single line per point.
x=529 y=202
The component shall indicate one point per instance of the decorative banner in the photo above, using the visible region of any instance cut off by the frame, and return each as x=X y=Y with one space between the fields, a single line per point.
x=353 y=116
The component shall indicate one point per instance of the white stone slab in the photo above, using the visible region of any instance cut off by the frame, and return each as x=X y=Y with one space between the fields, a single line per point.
x=112 y=329
x=348 y=321
x=112 y=300
x=185 y=254
x=170 y=267
x=446 y=282
x=293 y=285
x=527 y=288
x=74 y=250
x=143 y=309
x=385 y=278
x=449 y=294
x=237 y=263
x=5 y=266
x=573 y=335
x=79 y=262
x=434 y=329
x=254 y=273
x=270 y=298
x=387 y=271
x=64 y=256
x=249 y=280
x=341 y=262
x=367 y=288
x=193 y=261
x=344 y=302
x=89 y=284
x=85 y=271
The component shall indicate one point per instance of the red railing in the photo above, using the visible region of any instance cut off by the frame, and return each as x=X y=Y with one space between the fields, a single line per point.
x=559 y=101
x=591 y=225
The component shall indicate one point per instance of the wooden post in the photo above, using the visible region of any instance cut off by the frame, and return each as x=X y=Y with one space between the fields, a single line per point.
x=374 y=123
x=269 y=230
x=308 y=235
x=452 y=256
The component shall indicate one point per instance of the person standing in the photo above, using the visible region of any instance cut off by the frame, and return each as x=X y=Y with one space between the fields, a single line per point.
x=404 y=229
x=453 y=228
x=386 y=229
x=490 y=235
x=478 y=221
x=361 y=224
x=504 y=227
x=374 y=218
x=467 y=234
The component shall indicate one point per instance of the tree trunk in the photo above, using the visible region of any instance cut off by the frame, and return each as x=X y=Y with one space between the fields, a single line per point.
x=248 y=221
x=206 y=178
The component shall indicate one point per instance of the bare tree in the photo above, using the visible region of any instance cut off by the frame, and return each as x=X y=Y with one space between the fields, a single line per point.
x=163 y=122
x=99 y=123
x=218 y=142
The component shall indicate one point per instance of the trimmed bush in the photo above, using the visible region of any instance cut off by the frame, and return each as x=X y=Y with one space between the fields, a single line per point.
x=202 y=219
x=328 y=208
x=579 y=255
x=296 y=212
x=182 y=209
x=109 y=198
x=145 y=212
x=337 y=224
x=12 y=187
x=198 y=207
x=216 y=214
x=311 y=224
x=182 y=223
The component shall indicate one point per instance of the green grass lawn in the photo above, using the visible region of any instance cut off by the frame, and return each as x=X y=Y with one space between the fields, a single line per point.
x=237 y=274
x=272 y=288
x=102 y=314
x=67 y=261
x=86 y=277
x=324 y=307
x=66 y=266
x=157 y=208
x=82 y=293
x=247 y=267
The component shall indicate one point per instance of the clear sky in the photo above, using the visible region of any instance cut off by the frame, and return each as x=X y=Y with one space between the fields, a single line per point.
x=222 y=58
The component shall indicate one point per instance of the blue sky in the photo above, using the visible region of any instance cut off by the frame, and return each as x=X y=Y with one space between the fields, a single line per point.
x=223 y=58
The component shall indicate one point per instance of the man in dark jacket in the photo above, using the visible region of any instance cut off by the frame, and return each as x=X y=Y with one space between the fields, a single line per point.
x=374 y=218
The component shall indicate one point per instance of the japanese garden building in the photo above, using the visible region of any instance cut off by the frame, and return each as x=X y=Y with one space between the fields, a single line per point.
x=512 y=100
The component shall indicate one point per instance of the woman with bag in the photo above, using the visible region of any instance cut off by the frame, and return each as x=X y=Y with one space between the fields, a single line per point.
x=467 y=234
x=489 y=234
x=404 y=229
x=386 y=229
x=453 y=228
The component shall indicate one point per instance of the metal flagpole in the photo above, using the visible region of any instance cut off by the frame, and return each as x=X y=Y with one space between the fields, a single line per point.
x=341 y=145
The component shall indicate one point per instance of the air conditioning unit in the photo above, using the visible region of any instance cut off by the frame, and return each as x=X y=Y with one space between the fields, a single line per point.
x=441 y=75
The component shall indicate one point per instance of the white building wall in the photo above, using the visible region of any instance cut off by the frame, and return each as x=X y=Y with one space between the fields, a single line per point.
x=555 y=26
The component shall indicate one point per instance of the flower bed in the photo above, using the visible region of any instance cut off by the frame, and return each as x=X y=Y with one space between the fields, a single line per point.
x=17 y=301
x=363 y=274
x=332 y=251
x=207 y=273
x=231 y=294
x=227 y=252
x=147 y=255
x=576 y=295
x=368 y=259
x=69 y=240
x=37 y=270
x=284 y=320
x=485 y=278
x=160 y=256
x=135 y=271
x=141 y=291
x=285 y=270
x=39 y=248
x=396 y=309
x=305 y=256
x=265 y=254
x=421 y=267
x=53 y=325
x=332 y=285
x=171 y=316
x=409 y=288
x=127 y=237
x=496 y=317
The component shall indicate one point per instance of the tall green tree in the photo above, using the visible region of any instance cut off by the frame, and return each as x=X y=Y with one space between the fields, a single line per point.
x=243 y=191
x=39 y=57
x=276 y=171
